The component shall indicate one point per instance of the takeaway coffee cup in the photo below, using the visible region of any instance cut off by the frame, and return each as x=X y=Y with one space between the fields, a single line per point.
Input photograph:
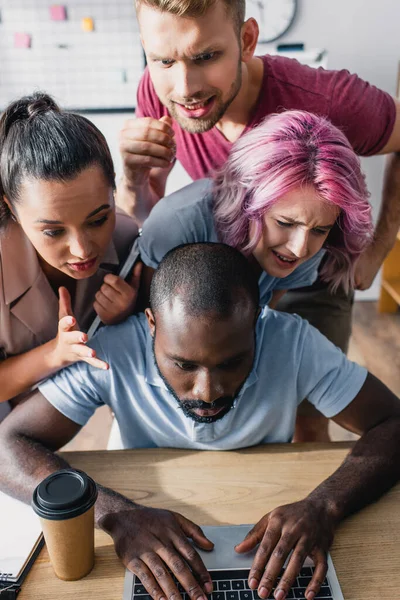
x=64 y=502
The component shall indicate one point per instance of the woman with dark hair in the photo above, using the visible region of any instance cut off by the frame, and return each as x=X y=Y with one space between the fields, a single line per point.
x=61 y=242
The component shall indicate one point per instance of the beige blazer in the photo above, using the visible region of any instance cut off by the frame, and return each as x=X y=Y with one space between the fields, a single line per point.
x=28 y=304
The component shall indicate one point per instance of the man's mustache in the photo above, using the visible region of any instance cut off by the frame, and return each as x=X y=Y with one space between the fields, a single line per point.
x=219 y=403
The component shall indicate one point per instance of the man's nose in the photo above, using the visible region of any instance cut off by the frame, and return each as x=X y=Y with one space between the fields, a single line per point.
x=187 y=84
x=80 y=246
x=298 y=243
x=207 y=387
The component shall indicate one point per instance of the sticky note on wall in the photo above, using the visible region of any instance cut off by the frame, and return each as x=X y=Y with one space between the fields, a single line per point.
x=58 y=12
x=22 y=40
x=87 y=24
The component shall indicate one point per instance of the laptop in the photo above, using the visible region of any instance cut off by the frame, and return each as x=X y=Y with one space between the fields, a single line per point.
x=229 y=571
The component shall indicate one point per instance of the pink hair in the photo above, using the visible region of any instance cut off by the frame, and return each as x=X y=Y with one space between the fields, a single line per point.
x=284 y=152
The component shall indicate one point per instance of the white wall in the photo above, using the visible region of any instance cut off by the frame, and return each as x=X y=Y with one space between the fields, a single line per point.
x=96 y=69
x=359 y=35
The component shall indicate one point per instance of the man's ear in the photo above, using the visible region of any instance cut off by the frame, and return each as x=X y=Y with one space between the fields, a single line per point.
x=248 y=39
x=150 y=321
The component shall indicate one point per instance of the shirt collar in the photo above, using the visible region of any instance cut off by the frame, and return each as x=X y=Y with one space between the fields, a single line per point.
x=20 y=263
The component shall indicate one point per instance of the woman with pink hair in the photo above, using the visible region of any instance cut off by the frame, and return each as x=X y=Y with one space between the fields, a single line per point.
x=291 y=191
x=293 y=199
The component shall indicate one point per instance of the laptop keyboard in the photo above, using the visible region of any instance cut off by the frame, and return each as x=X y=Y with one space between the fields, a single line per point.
x=233 y=585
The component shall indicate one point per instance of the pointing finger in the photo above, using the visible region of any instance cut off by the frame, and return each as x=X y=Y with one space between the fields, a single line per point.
x=64 y=303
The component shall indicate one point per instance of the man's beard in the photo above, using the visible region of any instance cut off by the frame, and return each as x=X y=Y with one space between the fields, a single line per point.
x=199 y=125
x=186 y=405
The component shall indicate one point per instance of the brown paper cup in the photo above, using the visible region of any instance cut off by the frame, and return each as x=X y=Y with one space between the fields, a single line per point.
x=70 y=545
x=64 y=502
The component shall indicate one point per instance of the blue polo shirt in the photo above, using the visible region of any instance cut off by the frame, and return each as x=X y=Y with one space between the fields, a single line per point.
x=187 y=217
x=292 y=361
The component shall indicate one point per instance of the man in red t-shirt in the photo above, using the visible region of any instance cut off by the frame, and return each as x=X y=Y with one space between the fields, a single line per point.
x=203 y=88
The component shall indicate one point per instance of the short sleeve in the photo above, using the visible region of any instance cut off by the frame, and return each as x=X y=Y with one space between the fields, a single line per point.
x=326 y=377
x=161 y=232
x=76 y=391
x=303 y=276
x=80 y=389
x=181 y=218
x=147 y=102
x=364 y=113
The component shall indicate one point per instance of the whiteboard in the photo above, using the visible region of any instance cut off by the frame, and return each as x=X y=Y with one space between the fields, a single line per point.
x=95 y=70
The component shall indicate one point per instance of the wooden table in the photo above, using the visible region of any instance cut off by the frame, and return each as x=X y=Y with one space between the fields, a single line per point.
x=235 y=487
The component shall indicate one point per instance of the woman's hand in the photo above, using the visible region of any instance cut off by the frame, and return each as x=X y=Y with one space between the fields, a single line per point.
x=70 y=343
x=116 y=299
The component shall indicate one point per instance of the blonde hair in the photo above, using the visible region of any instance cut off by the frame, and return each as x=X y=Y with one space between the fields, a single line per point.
x=197 y=8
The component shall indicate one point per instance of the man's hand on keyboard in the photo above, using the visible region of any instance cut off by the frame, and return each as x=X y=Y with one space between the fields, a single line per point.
x=153 y=543
x=304 y=528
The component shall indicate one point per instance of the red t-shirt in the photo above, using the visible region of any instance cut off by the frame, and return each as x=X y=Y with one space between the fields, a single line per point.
x=364 y=113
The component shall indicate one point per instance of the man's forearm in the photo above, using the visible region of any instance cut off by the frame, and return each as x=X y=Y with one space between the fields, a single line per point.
x=25 y=463
x=370 y=470
x=388 y=223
